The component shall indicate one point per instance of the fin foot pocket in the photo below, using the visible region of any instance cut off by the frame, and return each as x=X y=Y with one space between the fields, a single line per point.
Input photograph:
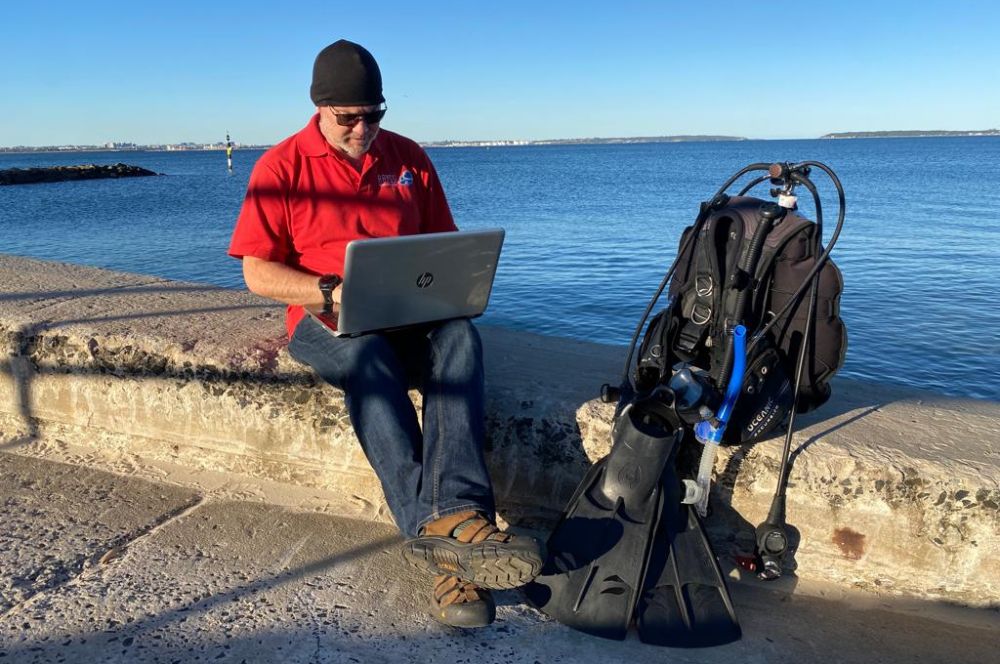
x=598 y=551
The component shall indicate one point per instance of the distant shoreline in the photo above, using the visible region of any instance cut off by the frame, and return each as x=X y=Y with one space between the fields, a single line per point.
x=60 y=149
x=630 y=140
x=911 y=134
x=430 y=144
x=633 y=140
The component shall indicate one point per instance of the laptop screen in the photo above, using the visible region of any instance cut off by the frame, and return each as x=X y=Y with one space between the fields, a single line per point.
x=395 y=282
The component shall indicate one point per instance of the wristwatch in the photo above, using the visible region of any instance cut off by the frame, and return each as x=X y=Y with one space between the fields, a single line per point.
x=327 y=284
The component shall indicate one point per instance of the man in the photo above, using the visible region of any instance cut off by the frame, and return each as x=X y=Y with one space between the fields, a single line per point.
x=342 y=178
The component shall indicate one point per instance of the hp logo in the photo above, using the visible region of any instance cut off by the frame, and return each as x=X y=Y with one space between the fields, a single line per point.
x=425 y=280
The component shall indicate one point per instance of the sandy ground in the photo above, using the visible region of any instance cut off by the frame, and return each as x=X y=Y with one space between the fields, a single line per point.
x=98 y=566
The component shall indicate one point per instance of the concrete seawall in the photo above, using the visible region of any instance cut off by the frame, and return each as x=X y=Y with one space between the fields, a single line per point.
x=893 y=490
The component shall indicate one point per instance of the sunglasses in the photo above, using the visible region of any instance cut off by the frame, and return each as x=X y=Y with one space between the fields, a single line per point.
x=351 y=119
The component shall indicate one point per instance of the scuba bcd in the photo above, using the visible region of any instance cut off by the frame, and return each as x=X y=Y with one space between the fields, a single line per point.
x=751 y=334
x=745 y=261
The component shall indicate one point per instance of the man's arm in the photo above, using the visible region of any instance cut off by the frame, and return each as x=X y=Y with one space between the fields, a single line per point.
x=285 y=284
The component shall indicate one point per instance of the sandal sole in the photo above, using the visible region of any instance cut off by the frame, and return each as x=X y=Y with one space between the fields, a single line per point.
x=494 y=565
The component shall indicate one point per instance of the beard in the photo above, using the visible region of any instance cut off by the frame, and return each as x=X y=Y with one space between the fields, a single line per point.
x=347 y=142
x=354 y=147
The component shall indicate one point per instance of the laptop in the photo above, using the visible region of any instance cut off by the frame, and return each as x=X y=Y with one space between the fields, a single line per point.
x=396 y=282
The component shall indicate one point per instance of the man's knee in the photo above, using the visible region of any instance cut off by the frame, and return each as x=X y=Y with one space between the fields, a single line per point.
x=349 y=363
x=456 y=335
x=374 y=361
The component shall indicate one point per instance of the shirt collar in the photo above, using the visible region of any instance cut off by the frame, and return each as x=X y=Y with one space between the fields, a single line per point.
x=310 y=141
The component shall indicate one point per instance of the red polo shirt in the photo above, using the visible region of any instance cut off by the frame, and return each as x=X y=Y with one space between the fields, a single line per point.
x=305 y=202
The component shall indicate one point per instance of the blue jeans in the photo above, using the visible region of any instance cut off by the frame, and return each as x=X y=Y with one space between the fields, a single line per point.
x=424 y=476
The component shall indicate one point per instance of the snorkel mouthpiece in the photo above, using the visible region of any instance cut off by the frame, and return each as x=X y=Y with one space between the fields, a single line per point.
x=709 y=431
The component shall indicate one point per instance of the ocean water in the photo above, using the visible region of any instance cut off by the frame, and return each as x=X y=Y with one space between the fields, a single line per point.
x=591 y=228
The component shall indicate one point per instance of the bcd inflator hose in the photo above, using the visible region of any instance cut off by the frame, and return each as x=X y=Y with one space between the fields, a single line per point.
x=709 y=431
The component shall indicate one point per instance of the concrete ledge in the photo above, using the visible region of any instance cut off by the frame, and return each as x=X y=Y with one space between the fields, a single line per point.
x=893 y=490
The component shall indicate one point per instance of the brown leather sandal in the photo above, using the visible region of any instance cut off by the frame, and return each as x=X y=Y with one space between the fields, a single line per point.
x=461 y=604
x=469 y=546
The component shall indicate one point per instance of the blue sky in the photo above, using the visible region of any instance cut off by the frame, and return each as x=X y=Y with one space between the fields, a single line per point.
x=90 y=72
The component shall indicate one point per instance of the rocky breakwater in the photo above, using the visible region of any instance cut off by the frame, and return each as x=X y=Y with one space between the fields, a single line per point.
x=65 y=173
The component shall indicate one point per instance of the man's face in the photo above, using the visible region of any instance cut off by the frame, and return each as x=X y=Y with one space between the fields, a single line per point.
x=353 y=139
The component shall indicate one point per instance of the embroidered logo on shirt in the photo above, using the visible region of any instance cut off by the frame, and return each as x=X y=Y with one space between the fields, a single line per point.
x=404 y=180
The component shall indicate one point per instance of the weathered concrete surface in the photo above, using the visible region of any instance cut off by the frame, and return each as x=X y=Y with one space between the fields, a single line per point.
x=248 y=582
x=889 y=485
x=894 y=491
x=61 y=522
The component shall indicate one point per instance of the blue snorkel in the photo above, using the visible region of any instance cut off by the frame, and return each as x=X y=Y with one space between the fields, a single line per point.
x=704 y=431
x=709 y=431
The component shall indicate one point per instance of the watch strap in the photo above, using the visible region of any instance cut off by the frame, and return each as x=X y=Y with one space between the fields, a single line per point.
x=327 y=284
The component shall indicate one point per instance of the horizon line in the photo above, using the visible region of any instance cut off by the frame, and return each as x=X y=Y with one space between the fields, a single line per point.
x=128 y=146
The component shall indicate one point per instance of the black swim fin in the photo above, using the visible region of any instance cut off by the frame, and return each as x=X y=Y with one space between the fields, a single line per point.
x=684 y=602
x=598 y=551
x=626 y=548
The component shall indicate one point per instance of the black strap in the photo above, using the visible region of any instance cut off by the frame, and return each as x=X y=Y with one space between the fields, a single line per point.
x=702 y=297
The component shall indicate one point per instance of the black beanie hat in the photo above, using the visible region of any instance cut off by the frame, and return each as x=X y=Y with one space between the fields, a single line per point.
x=345 y=74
